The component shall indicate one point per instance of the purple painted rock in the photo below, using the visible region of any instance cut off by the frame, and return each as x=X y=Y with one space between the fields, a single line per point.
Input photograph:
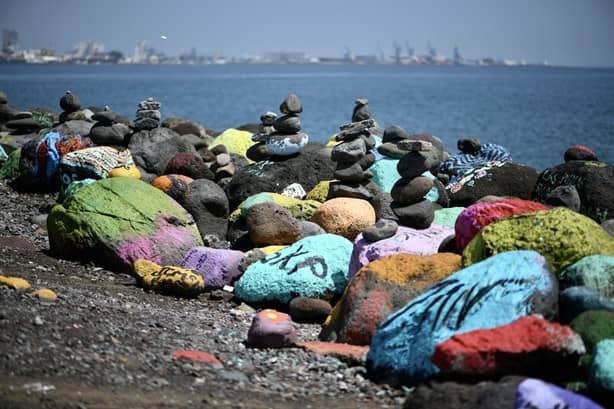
x=534 y=393
x=406 y=240
x=271 y=329
x=219 y=267
x=117 y=221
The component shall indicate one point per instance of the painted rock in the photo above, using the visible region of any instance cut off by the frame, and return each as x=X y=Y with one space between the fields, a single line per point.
x=573 y=301
x=494 y=292
x=307 y=169
x=319 y=192
x=271 y=224
x=380 y=288
x=406 y=240
x=535 y=393
x=596 y=272
x=130 y=171
x=301 y=269
x=286 y=145
x=300 y=209
x=189 y=164
x=218 y=267
x=92 y=163
x=494 y=178
x=594 y=326
x=479 y=215
x=171 y=280
x=530 y=345
x=601 y=379
x=175 y=186
x=15 y=283
x=234 y=140
x=593 y=180
x=271 y=329
x=198 y=356
x=344 y=216
x=119 y=220
x=353 y=355
x=309 y=310
x=579 y=152
x=560 y=235
x=45 y=294
x=74 y=187
x=447 y=216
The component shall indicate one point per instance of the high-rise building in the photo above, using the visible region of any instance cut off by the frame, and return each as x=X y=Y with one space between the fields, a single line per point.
x=9 y=41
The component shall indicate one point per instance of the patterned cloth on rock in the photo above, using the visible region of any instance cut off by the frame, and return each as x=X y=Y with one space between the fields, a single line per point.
x=92 y=163
x=50 y=151
x=457 y=165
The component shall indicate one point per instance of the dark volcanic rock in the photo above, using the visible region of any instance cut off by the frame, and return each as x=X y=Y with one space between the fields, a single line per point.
x=291 y=105
x=361 y=110
x=579 y=152
x=113 y=135
x=154 y=157
x=189 y=164
x=394 y=133
x=566 y=196
x=307 y=169
x=419 y=215
x=208 y=204
x=270 y=224
x=70 y=102
x=309 y=310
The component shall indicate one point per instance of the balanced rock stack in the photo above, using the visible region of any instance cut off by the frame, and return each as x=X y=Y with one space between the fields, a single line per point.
x=7 y=112
x=70 y=103
x=353 y=155
x=23 y=122
x=419 y=156
x=107 y=131
x=148 y=115
x=280 y=136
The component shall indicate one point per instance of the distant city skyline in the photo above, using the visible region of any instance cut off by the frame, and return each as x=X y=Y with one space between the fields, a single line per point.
x=562 y=32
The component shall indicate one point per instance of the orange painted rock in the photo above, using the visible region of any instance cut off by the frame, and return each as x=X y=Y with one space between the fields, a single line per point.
x=271 y=329
x=351 y=354
x=380 y=288
x=175 y=186
x=197 y=356
x=344 y=216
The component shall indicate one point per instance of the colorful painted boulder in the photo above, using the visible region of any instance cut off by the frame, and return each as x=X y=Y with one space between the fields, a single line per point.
x=116 y=221
x=535 y=393
x=344 y=216
x=171 y=280
x=300 y=209
x=596 y=272
x=406 y=240
x=271 y=329
x=495 y=292
x=380 y=288
x=218 y=267
x=561 y=235
x=601 y=379
x=479 y=215
x=302 y=269
x=235 y=141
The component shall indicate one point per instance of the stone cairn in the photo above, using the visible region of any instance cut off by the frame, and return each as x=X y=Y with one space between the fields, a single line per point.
x=353 y=155
x=279 y=136
x=70 y=103
x=148 y=115
x=416 y=157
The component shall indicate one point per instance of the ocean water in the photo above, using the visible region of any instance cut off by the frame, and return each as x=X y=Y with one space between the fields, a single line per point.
x=535 y=112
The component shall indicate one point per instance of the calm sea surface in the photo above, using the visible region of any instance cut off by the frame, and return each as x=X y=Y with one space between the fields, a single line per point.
x=536 y=113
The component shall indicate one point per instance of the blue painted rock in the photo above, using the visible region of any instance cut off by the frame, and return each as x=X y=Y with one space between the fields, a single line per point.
x=302 y=269
x=601 y=379
x=561 y=235
x=534 y=393
x=494 y=292
x=92 y=163
x=271 y=329
x=219 y=267
x=116 y=221
x=596 y=272
x=406 y=240
x=573 y=301
x=594 y=182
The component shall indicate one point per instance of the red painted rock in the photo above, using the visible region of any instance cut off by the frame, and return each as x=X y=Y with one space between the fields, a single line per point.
x=189 y=164
x=351 y=354
x=531 y=345
x=380 y=288
x=271 y=329
x=479 y=215
x=198 y=356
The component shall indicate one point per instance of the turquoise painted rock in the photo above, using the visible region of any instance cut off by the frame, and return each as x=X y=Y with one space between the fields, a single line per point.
x=601 y=379
x=535 y=393
x=596 y=272
x=447 y=216
x=116 y=221
x=495 y=292
x=561 y=235
x=313 y=267
x=406 y=241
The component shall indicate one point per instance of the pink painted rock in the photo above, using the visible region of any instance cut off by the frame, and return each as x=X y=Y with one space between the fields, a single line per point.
x=219 y=267
x=406 y=240
x=351 y=354
x=271 y=329
x=479 y=215
x=531 y=346
x=198 y=356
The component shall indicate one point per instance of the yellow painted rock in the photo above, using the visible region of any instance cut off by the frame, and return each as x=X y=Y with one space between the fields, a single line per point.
x=45 y=294
x=168 y=279
x=125 y=172
x=271 y=249
x=235 y=141
x=15 y=283
x=344 y=216
x=332 y=142
x=319 y=192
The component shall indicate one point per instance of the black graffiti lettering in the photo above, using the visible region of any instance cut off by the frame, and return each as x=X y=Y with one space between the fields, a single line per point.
x=283 y=261
x=312 y=262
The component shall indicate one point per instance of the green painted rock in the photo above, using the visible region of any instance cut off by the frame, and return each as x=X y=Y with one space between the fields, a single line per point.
x=300 y=209
x=596 y=272
x=116 y=221
x=447 y=216
x=314 y=267
x=594 y=326
x=560 y=235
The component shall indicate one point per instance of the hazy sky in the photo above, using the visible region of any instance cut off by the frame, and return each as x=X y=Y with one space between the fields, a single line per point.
x=563 y=32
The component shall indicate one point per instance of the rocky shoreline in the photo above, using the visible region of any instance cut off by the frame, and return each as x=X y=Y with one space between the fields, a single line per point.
x=251 y=268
